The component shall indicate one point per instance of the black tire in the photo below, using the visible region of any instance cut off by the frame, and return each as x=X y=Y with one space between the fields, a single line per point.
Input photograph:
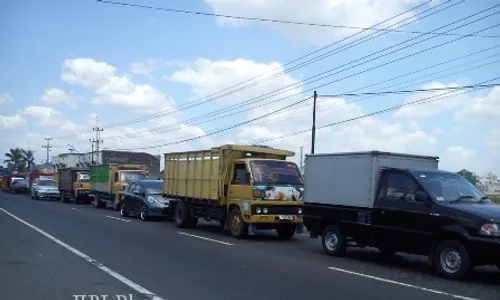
x=286 y=231
x=387 y=252
x=446 y=256
x=123 y=210
x=237 y=227
x=144 y=213
x=333 y=241
x=182 y=215
x=98 y=203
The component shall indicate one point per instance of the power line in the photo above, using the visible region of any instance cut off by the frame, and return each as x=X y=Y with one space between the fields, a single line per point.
x=476 y=86
x=386 y=110
x=326 y=74
x=268 y=20
x=281 y=72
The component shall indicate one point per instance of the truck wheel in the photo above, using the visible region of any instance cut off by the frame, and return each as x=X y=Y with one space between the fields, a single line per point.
x=182 y=215
x=238 y=227
x=387 y=252
x=452 y=260
x=333 y=241
x=98 y=203
x=286 y=231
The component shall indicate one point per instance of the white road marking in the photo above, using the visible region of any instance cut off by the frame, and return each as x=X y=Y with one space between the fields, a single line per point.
x=402 y=284
x=120 y=219
x=205 y=238
x=89 y=259
x=74 y=208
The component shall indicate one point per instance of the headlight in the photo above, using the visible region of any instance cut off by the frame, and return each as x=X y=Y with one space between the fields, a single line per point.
x=490 y=230
x=151 y=200
x=258 y=210
x=264 y=210
x=299 y=210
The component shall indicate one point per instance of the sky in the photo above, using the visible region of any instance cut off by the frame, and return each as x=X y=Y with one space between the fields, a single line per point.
x=158 y=81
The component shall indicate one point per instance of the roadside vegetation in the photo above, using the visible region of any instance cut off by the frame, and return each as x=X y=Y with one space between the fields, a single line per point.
x=495 y=198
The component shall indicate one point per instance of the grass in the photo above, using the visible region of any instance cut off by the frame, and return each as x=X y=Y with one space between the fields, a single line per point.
x=495 y=198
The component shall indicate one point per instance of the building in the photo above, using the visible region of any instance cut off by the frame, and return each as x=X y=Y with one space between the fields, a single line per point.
x=490 y=184
x=69 y=160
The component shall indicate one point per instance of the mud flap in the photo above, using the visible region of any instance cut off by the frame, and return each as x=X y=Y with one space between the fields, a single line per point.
x=300 y=229
x=252 y=230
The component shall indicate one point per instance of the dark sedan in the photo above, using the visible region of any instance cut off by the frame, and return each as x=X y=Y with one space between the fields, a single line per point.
x=143 y=198
x=20 y=186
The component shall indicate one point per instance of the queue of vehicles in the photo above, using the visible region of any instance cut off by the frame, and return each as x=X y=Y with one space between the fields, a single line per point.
x=390 y=201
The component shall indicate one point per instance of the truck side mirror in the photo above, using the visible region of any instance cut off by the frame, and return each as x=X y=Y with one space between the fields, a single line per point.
x=421 y=196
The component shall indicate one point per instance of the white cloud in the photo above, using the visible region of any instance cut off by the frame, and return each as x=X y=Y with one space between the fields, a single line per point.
x=6 y=98
x=361 y=13
x=484 y=109
x=11 y=122
x=433 y=108
x=48 y=117
x=146 y=67
x=56 y=96
x=456 y=158
x=110 y=88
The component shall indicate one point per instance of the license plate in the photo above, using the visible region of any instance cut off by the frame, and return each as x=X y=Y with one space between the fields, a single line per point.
x=283 y=217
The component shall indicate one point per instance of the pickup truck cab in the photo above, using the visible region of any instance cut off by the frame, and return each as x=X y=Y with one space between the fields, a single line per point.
x=427 y=212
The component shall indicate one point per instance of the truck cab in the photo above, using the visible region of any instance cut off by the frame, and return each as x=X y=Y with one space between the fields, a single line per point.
x=267 y=194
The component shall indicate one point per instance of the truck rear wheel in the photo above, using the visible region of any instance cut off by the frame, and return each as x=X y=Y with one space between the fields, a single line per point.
x=286 y=231
x=183 y=216
x=452 y=260
x=238 y=227
x=98 y=203
x=333 y=241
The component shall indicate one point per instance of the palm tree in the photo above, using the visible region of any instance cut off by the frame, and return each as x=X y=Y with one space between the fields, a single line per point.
x=29 y=158
x=15 y=159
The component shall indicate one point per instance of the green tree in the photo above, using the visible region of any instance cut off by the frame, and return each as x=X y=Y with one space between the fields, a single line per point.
x=29 y=159
x=15 y=159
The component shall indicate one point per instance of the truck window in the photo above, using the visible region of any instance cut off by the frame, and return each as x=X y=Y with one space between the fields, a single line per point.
x=239 y=176
x=398 y=187
x=128 y=176
x=275 y=172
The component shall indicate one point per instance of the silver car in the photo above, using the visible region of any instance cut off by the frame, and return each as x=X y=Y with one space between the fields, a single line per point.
x=45 y=188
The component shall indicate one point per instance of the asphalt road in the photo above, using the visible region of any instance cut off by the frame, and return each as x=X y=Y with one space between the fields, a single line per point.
x=53 y=250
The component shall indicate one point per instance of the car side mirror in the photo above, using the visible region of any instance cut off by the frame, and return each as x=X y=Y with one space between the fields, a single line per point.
x=421 y=196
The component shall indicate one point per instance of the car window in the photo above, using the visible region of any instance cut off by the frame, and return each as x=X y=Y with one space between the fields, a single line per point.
x=399 y=187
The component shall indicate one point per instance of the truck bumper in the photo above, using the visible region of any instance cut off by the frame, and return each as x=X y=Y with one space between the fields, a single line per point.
x=484 y=251
x=273 y=219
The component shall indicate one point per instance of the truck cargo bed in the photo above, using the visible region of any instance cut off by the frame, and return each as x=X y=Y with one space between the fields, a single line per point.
x=350 y=179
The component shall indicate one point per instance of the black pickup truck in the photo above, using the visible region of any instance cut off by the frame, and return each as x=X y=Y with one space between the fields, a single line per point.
x=400 y=203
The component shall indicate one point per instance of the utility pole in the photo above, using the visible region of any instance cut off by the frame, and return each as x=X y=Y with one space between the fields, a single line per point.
x=48 y=146
x=301 y=160
x=97 y=139
x=315 y=97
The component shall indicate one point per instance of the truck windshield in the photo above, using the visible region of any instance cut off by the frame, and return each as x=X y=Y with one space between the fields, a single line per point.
x=275 y=172
x=450 y=187
x=47 y=183
x=128 y=176
x=83 y=177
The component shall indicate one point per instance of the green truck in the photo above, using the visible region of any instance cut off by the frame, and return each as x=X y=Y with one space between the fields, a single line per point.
x=108 y=181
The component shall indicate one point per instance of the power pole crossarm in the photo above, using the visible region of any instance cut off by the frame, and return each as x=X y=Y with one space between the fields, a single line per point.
x=47 y=147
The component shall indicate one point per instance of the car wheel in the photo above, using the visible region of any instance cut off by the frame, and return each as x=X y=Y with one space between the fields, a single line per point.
x=144 y=213
x=333 y=241
x=123 y=210
x=452 y=260
x=238 y=227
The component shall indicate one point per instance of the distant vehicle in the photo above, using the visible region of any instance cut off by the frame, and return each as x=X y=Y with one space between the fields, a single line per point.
x=144 y=198
x=9 y=180
x=20 y=187
x=400 y=203
x=74 y=185
x=44 y=189
x=107 y=182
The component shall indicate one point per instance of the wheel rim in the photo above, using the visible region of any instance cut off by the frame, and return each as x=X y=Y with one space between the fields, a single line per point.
x=450 y=260
x=236 y=223
x=143 y=214
x=331 y=241
x=122 y=210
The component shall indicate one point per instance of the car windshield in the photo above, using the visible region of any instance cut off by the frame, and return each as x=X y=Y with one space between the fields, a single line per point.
x=20 y=182
x=450 y=187
x=128 y=176
x=275 y=172
x=153 y=187
x=47 y=183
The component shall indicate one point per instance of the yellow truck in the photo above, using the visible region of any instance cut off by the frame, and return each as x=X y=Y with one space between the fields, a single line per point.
x=74 y=185
x=245 y=188
x=108 y=181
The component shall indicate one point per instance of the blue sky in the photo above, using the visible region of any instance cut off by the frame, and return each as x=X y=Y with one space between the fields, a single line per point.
x=105 y=48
